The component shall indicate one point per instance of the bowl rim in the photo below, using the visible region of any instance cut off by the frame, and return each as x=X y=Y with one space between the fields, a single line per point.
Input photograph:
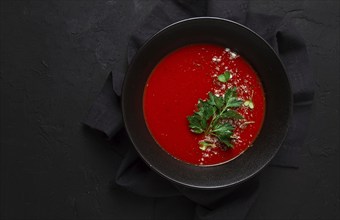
x=286 y=128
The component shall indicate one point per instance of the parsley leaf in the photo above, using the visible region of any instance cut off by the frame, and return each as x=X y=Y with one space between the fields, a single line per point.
x=204 y=145
x=224 y=77
x=249 y=103
x=212 y=115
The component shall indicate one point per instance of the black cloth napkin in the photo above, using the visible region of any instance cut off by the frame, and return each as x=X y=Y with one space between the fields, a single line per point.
x=234 y=203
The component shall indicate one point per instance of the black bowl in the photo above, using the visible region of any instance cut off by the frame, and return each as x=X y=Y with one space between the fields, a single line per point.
x=265 y=62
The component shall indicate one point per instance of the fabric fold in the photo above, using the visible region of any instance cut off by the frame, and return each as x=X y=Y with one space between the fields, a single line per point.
x=135 y=176
x=105 y=114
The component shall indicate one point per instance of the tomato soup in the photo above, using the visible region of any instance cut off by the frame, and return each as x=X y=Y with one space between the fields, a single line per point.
x=187 y=75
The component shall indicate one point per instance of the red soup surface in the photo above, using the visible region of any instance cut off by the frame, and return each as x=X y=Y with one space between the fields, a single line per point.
x=182 y=78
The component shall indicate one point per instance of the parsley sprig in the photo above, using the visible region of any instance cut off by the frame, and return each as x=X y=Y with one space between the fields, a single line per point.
x=212 y=115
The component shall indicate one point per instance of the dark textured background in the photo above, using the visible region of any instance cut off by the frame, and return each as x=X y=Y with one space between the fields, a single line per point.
x=56 y=55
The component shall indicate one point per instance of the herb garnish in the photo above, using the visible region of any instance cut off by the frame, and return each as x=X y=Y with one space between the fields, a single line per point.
x=224 y=77
x=249 y=103
x=212 y=118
